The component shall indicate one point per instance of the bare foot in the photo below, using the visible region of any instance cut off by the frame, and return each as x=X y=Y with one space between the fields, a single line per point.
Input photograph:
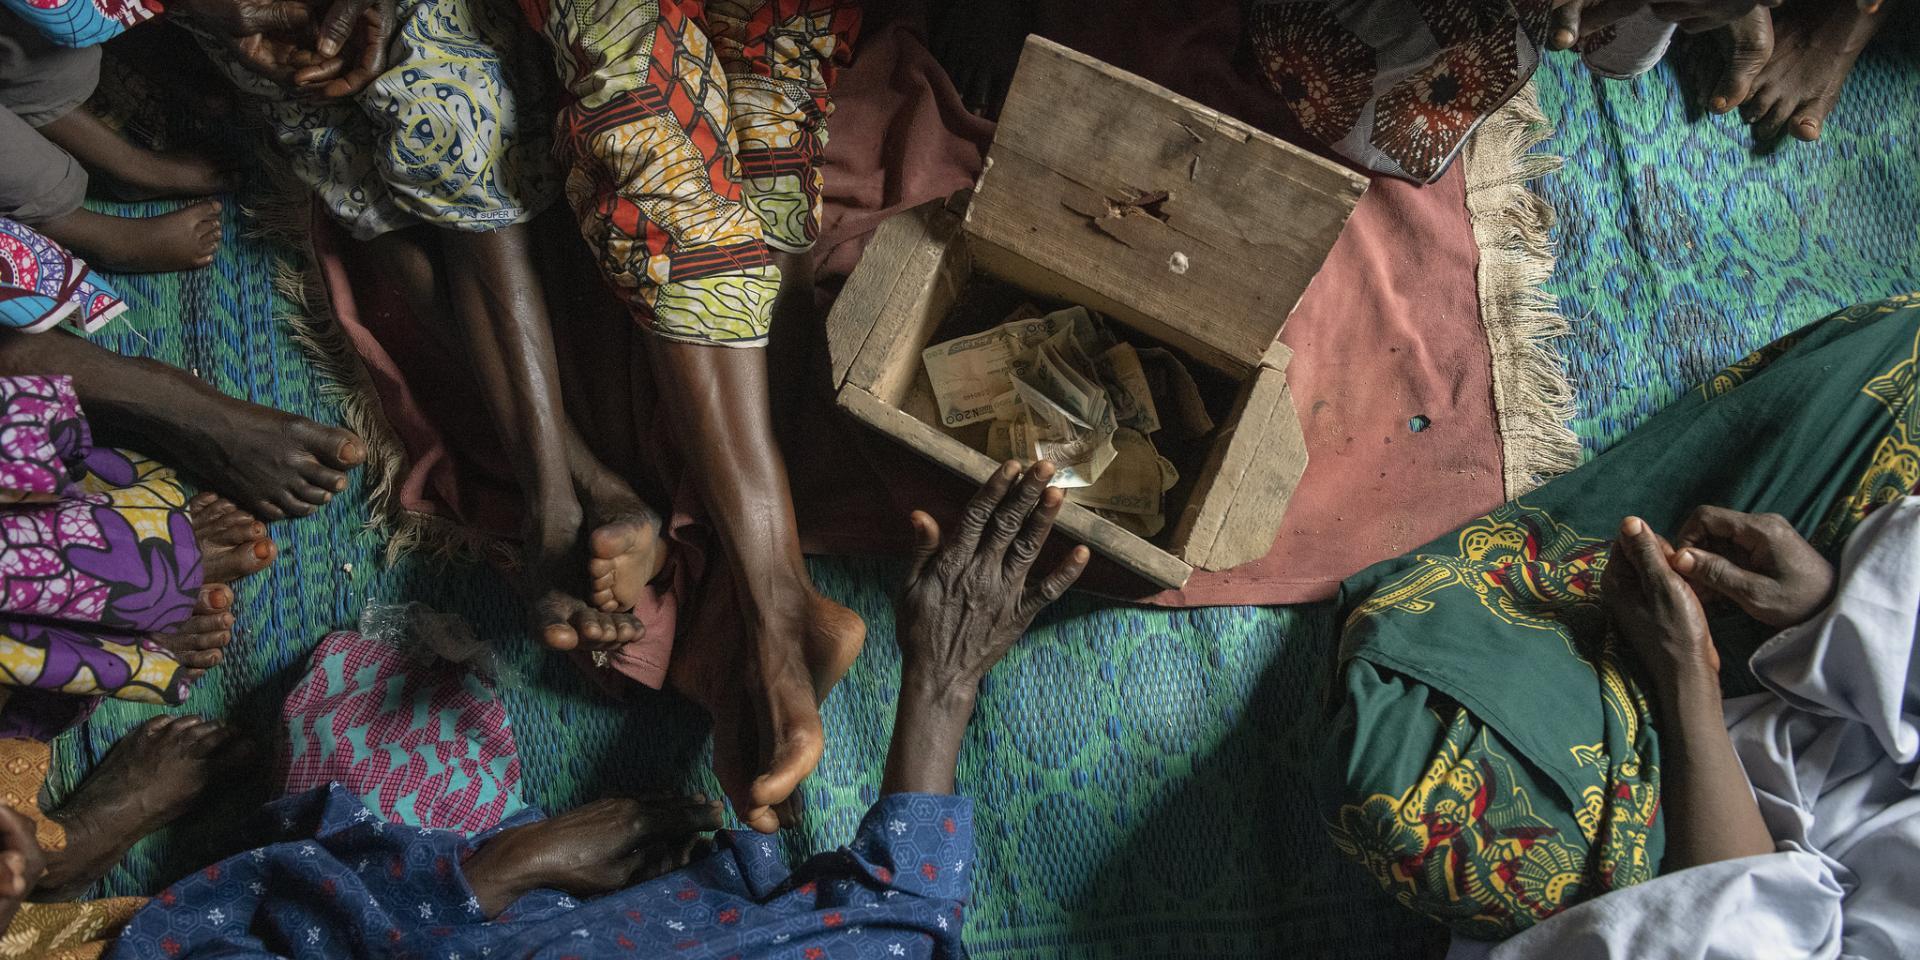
x=1751 y=47
x=1814 y=48
x=551 y=571
x=604 y=846
x=767 y=735
x=200 y=641
x=185 y=239
x=270 y=463
x=150 y=778
x=626 y=541
x=233 y=543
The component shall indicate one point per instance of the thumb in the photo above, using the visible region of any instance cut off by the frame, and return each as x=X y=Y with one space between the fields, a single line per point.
x=338 y=26
x=1704 y=568
x=926 y=542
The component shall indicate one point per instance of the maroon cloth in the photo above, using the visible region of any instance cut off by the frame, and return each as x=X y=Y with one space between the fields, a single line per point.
x=1387 y=332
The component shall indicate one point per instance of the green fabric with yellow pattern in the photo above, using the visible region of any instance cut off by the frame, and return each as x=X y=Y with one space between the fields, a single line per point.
x=1495 y=761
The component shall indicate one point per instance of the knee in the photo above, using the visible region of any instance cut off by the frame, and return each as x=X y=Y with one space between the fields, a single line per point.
x=1424 y=798
x=456 y=149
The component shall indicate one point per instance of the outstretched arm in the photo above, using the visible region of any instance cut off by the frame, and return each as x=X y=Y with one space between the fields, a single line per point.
x=1711 y=813
x=966 y=601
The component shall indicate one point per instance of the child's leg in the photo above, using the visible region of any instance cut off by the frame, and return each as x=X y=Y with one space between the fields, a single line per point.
x=42 y=185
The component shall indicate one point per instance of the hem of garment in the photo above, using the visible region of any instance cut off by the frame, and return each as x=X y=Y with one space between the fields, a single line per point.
x=755 y=342
x=53 y=319
x=787 y=248
x=34 y=119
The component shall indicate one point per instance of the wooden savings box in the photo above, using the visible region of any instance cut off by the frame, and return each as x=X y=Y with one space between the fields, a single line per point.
x=1183 y=225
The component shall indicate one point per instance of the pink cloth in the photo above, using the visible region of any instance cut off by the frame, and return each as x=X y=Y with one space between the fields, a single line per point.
x=423 y=745
x=1388 y=331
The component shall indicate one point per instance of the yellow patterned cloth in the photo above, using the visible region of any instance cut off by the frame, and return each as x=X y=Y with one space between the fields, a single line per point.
x=52 y=931
x=454 y=133
x=693 y=133
x=1495 y=760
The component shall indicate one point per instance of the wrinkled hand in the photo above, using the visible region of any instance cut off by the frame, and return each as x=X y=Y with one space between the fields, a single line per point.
x=273 y=38
x=22 y=863
x=1649 y=603
x=968 y=599
x=353 y=36
x=599 y=848
x=1758 y=561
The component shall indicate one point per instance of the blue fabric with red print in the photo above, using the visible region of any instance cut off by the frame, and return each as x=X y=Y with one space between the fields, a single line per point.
x=357 y=886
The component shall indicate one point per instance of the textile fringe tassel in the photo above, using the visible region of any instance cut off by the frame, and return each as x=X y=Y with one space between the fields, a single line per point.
x=286 y=218
x=1514 y=229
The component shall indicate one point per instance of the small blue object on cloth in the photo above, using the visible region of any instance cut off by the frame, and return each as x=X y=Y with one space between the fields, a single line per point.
x=347 y=884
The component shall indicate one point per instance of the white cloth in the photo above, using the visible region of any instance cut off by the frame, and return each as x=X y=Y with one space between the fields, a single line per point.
x=1832 y=755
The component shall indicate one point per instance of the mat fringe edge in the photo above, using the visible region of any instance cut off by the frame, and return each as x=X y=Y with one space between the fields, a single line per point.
x=1533 y=400
x=286 y=218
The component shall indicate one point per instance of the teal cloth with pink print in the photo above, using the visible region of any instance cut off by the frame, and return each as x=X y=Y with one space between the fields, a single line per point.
x=423 y=742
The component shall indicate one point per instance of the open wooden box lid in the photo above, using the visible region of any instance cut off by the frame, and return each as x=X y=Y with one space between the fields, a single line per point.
x=1194 y=227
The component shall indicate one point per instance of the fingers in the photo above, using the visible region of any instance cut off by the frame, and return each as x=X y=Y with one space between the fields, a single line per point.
x=1752 y=48
x=1565 y=24
x=1711 y=571
x=287 y=20
x=337 y=26
x=13 y=875
x=966 y=537
x=17 y=874
x=1757 y=532
x=1033 y=535
x=926 y=543
x=1056 y=583
x=1011 y=516
x=1651 y=557
x=684 y=815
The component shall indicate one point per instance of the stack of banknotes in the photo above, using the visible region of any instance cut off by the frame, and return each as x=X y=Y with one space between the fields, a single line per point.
x=1061 y=387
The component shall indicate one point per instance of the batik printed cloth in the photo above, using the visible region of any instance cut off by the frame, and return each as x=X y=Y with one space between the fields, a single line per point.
x=1494 y=762
x=1397 y=86
x=423 y=744
x=43 y=285
x=693 y=135
x=453 y=134
x=83 y=23
x=1831 y=751
x=346 y=885
x=97 y=554
x=52 y=931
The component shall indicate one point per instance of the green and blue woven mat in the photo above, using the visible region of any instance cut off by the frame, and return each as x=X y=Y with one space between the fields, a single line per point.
x=1146 y=771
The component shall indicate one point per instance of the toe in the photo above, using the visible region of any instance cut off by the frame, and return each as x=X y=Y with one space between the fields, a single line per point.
x=1806 y=128
x=559 y=636
x=550 y=623
x=324 y=477
x=345 y=449
x=292 y=505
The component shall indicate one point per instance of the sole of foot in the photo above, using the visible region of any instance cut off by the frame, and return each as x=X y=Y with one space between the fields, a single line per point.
x=624 y=554
x=233 y=543
x=185 y=239
x=1814 y=49
x=151 y=777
